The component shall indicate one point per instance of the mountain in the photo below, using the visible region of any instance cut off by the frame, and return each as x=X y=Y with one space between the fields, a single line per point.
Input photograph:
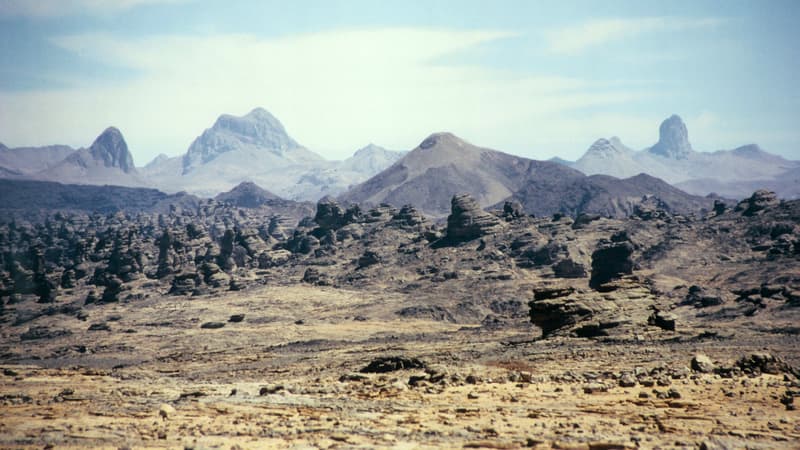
x=106 y=161
x=247 y=195
x=30 y=160
x=730 y=173
x=370 y=160
x=444 y=165
x=257 y=148
x=605 y=195
x=30 y=196
x=612 y=156
x=257 y=131
x=673 y=139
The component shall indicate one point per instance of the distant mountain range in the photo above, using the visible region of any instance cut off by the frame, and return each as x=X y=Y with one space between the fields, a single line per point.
x=257 y=148
x=252 y=160
x=730 y=173
x=106 y=161
x=443 y=165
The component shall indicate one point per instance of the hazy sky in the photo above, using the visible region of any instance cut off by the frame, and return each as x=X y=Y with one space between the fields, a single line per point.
x=533 y=78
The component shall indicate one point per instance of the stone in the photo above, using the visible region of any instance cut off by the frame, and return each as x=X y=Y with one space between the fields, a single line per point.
x=567 y=268
x=212 y=325
x=702 y=363
x=166 y=411
x=759 y=201
x=392 y=363
x=610 y=262
x=663 y=320
x=467 y=221
x=369 y=258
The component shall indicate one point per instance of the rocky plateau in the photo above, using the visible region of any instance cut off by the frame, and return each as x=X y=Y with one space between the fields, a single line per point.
x=244 y=322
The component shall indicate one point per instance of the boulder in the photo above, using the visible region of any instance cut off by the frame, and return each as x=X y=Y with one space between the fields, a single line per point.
x=467 y=221
x=702 y=363
x=610 y=262
x=760 y=200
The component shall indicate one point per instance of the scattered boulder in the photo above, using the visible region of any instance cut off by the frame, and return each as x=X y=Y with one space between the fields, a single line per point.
x=512 y=209
x=36 y=333
x=702 y=363
x=408 y=218
x=369 y=258
x=273 y=258
x=663 y=320
x=701 y=298
x=759 y=201
x=758 y=363
x=386 y=364
x=212 y=325
x=431 y=312
x=313 y=276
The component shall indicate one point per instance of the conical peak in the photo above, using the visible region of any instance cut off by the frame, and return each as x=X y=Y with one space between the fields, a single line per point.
x=110 y=147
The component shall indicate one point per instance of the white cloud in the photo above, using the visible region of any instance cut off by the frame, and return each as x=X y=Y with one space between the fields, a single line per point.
x=577 y=38
x=334 y=92
x=55 y=8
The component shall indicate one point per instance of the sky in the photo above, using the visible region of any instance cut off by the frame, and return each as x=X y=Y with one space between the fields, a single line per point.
x=533 y=78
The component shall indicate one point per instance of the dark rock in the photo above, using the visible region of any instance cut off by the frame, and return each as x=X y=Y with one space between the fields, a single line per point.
x=100 y=326
x=212 y=325
x=408 y=218
x=550 y=293
x=567 y=268
x=35 y=333
x=369 y=258
x=700 y=298
x=757 y=363
x=663 y=320
x=583 y=220
x=330 y=214
x=392 y=363
x=185 y=283
x=512 y=209
x=312 y=275
x=236 y=318
x=432 y=312
x=611 y=262
x=467 y=221
x=556 y=313
x=759 y=201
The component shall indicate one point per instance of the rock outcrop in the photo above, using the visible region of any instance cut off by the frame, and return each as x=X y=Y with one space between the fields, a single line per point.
x=467 y=221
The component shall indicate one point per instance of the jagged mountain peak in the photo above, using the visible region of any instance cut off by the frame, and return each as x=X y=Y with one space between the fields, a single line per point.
x=606 y=148
x=673 y=139
x=368 y=149
x=257 y=130
x=110 y=148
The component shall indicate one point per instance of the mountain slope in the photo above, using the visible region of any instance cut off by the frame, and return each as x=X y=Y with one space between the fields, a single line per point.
x=29 y=160
x=605 y=195
x=443 y=165
x=247 y=195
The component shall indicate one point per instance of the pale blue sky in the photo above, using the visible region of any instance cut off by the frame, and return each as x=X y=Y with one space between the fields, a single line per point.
x=538 y=79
